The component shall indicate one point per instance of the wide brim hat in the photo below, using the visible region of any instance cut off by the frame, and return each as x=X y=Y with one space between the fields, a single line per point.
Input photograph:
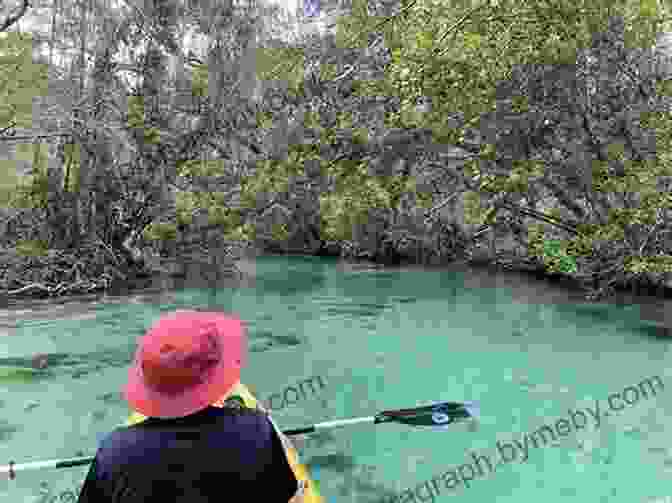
x=186 y=361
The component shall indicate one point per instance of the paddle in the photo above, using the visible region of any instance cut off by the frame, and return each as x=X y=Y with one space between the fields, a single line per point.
x=438 y=415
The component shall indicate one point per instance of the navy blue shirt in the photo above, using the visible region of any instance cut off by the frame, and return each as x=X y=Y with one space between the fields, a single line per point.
x=215 y=455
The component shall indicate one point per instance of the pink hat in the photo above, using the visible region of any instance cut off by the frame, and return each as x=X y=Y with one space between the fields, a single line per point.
x=185 y=362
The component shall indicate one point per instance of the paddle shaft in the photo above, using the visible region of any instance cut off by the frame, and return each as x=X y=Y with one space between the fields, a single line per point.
x=441 y=414
x=12 y=468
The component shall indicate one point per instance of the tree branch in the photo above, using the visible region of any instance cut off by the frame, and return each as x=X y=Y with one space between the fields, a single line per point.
x=13 y=19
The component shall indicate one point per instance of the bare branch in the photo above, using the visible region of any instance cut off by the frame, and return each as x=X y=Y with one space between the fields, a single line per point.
x=13 y=19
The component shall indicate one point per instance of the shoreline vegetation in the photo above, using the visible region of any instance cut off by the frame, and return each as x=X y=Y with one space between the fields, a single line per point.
x=557 y=164
x=56 y=274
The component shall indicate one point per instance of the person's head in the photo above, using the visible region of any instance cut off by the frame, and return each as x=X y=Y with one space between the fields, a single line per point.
x=187 y=361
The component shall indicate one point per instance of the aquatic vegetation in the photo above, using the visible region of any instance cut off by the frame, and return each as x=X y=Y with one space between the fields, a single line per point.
x=20 y=375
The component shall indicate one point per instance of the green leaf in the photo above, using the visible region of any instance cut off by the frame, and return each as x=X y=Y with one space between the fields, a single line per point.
x=648 y=8
x=472 y=41
x=568 y=264
x=552 y=248
x=424 y=40
x=32 y=248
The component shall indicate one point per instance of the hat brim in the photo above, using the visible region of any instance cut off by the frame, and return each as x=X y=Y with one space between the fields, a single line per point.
x=220 y=380
x=153 y=404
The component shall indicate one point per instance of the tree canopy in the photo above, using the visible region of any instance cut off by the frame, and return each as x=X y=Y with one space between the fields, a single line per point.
x=559 y=105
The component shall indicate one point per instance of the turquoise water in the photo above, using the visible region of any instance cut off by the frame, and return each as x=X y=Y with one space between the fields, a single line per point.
x=377 y=340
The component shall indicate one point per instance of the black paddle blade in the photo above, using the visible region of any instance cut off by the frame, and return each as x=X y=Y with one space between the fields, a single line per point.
x=439 y=414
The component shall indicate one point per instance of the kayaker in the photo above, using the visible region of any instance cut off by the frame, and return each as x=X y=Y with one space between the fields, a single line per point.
x=188 y=450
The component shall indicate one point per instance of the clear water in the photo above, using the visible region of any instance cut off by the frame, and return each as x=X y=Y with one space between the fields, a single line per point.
x=379 y=340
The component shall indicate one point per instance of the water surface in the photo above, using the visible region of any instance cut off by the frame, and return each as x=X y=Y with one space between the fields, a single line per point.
x=378 y=339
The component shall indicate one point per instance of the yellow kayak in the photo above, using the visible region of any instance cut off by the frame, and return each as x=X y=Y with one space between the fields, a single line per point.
x=311 y=492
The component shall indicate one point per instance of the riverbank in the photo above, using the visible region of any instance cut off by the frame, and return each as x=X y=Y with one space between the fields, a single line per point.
x=29 y=277
x=544 y=288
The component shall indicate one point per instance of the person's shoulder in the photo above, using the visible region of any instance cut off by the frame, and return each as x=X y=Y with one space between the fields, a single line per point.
x=245 y=418
x=247 y=415
x=111 y=438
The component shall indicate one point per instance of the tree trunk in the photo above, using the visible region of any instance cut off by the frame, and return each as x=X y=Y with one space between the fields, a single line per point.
x=79 y=206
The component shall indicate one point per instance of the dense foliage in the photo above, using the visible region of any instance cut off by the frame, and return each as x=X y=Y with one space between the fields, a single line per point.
x=588 y=147
x=559 y=109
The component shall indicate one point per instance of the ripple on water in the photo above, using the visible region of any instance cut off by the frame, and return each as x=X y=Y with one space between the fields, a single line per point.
x=354 y=310
x=288 y=340
x=32 y=404
x=337 y=462
x=7 y=430
x=657 y=449
x=99 y=415
x=358 y=484
x=405 y=300
x=634 y=432
x=264 y=339
x=319 y=439
x=111 y=397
